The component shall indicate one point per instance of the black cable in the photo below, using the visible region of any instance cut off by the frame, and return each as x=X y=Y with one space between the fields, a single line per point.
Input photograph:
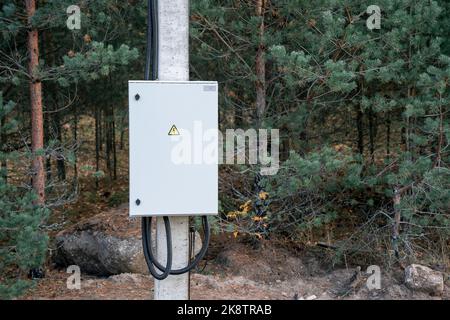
x=151 y=73
x=151 y=62
x=147 y=246
x=197 y=258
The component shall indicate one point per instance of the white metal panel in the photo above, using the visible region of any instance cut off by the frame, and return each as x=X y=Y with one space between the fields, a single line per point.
x=158 y=185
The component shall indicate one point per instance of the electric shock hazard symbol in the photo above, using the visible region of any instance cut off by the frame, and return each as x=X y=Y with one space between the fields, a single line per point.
x=174 y=131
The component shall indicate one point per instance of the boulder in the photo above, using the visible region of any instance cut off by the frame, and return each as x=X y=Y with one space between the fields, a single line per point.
x=100 y=254
x=421 y=278
x=104 y=245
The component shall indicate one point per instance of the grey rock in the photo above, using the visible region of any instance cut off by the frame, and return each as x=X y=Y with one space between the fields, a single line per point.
x=421 y=278
x=100 y=253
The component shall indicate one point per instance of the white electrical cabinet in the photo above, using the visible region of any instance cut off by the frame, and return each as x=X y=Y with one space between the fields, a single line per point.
x=174 y=143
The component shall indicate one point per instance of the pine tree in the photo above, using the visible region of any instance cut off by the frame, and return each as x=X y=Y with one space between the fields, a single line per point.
x=72 y=68
x=23 y=245
x=391 y=79
x=369 y=105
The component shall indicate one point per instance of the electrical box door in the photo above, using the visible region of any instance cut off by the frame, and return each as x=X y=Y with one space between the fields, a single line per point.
x=174 y=148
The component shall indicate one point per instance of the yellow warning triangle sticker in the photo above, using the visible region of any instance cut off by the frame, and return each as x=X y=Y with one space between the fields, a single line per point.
x=174 y=131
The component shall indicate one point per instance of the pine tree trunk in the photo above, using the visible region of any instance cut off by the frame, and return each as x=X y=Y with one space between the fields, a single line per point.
x=4 y=138
x=100 y=130
x=440 y=137
x=397 y=220
x=359 y=128
x=388 y=136
x=60 y=163
x=49 y=100
x=371 y=135
x=113 y=141
x=37 y=125
x=108 y=140
x=122 y=133
x=97 y=143
x=260 y=64
x=48 y=160
x=3 y=141
x=75 y=138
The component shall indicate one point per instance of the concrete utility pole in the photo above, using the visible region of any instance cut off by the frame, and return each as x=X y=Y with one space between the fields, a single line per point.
x=173 y=20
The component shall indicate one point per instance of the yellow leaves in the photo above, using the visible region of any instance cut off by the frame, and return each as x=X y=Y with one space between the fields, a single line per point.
x=259 y=219
x=263 y=195
x=246 y=207
x=244 y=210
x=232 y=214
x=250 y=217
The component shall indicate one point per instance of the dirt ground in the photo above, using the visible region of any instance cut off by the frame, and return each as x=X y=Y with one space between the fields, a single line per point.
x=234 y=270
x=241 y=273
